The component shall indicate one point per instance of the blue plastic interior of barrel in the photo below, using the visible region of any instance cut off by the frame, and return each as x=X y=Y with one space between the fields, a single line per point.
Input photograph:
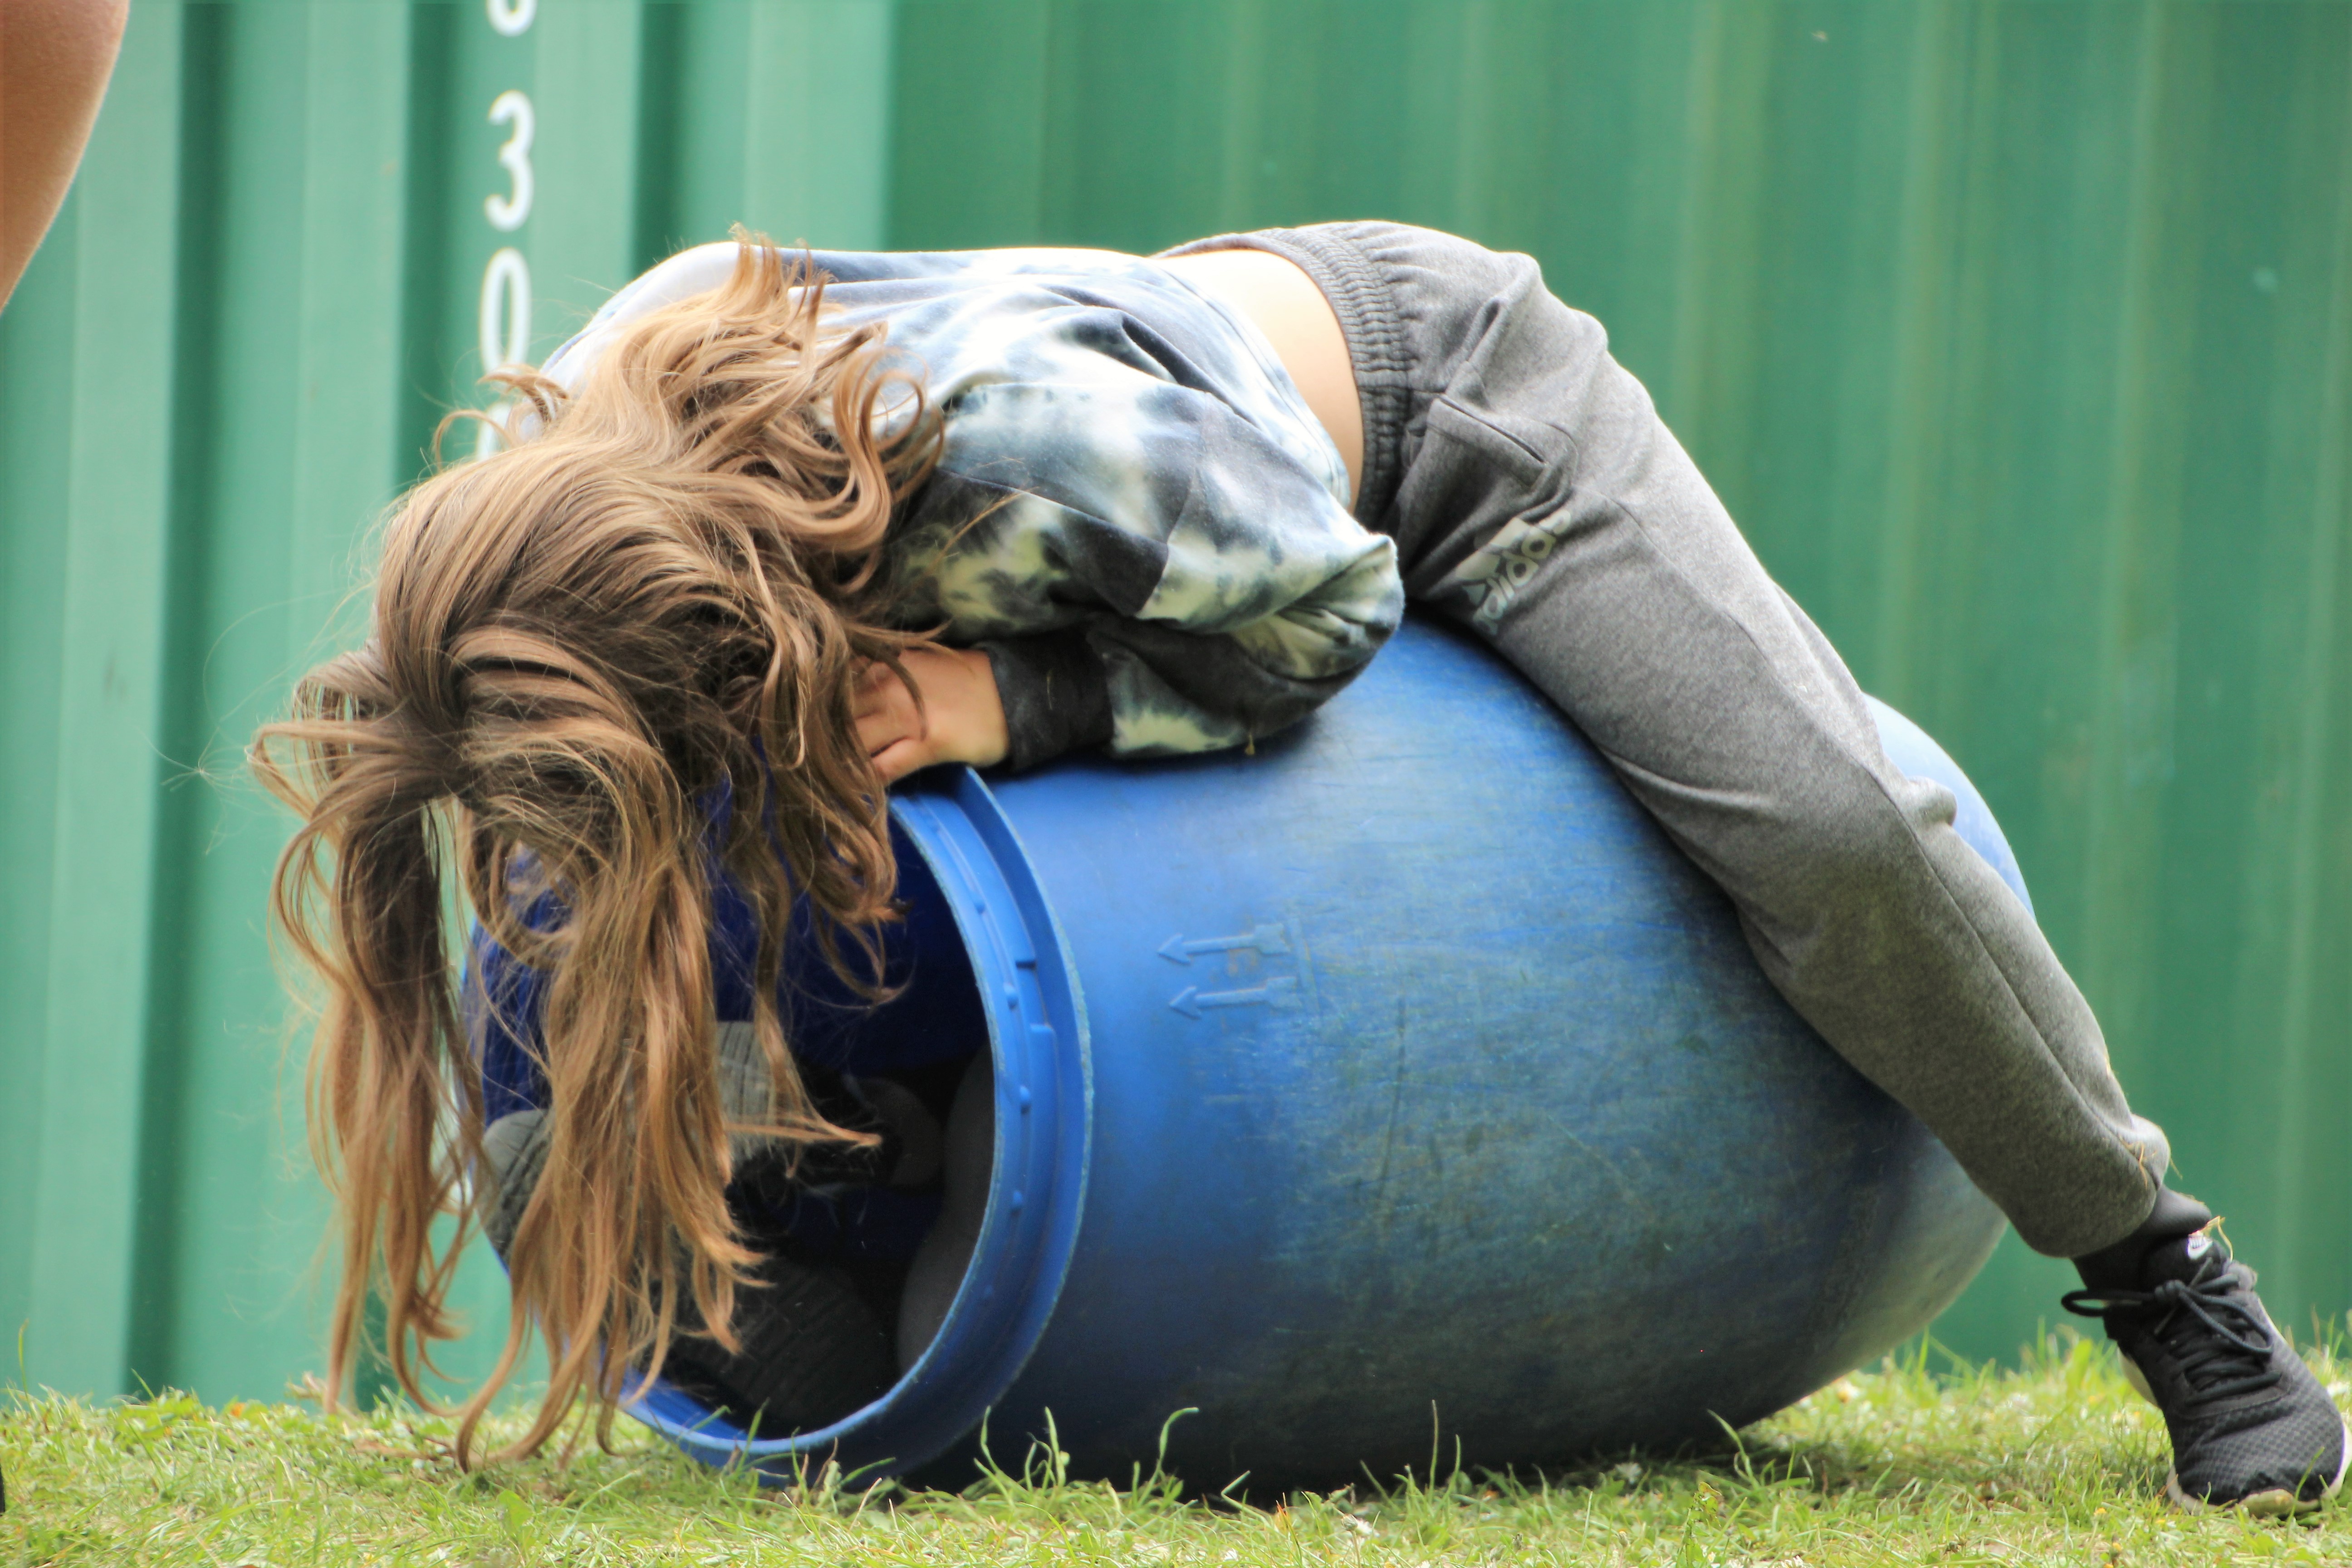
x=936 y=1015
x=1170 y=1304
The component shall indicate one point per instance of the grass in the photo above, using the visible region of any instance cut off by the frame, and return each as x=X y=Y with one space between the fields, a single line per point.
x=2056 y=1463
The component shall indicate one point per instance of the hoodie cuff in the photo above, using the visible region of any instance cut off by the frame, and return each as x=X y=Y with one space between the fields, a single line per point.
x=1055 y=696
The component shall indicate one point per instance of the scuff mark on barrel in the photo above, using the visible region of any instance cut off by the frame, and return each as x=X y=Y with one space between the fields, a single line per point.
x=1396 y=1112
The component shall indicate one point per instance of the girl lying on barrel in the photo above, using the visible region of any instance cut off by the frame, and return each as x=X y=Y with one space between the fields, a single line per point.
x=767 y=541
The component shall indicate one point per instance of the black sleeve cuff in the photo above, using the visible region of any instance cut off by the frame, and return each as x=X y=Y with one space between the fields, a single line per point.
x=1056 y=696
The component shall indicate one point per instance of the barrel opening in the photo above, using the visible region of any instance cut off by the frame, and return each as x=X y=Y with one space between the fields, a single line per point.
x=938 y=1289
x=864 y=1249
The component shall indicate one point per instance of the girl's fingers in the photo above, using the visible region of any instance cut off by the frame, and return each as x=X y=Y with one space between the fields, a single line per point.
x=896 y=760
x=962 y=720
x=880 y=730
x=883 y=709
x=877 y=689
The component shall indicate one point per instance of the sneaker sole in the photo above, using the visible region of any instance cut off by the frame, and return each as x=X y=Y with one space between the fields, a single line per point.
x=2276 y=1503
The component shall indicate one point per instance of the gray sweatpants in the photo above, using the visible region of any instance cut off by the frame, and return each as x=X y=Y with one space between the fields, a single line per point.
x=1535 y=495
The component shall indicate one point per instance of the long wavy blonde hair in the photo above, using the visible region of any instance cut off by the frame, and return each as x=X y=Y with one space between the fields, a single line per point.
x=659 y=596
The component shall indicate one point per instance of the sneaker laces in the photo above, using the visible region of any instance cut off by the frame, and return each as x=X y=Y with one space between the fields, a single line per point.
x=2196 y=1326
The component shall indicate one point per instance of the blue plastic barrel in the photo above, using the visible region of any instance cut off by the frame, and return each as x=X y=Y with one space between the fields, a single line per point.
x=1396 y=1090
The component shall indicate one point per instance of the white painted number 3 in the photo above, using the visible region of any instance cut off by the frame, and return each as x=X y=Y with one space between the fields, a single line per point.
x=507 y=212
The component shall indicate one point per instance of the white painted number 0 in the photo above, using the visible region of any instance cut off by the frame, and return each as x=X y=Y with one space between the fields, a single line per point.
x=512 y=17
x=506 y=309
x=506 y=328
x=507 y=212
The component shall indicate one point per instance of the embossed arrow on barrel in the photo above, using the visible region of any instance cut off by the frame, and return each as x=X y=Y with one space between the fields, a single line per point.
x=1268 y=940
x=1281 y=991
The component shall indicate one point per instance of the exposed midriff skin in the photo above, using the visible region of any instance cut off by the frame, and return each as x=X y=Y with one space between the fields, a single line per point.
x=1283 y=303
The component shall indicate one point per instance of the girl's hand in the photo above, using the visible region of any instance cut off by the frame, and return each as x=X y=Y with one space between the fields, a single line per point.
x=961 y=719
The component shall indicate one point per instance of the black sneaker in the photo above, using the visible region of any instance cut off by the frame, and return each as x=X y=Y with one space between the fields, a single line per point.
x=2251 y=1426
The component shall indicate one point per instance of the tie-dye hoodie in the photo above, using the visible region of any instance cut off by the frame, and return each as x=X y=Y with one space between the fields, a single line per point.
x=1164 y=562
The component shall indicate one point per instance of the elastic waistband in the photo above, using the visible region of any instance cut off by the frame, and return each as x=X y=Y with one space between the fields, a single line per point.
x=1360 y=296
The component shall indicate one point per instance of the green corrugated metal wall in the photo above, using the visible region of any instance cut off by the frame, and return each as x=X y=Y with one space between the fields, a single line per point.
x=2017 y=336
